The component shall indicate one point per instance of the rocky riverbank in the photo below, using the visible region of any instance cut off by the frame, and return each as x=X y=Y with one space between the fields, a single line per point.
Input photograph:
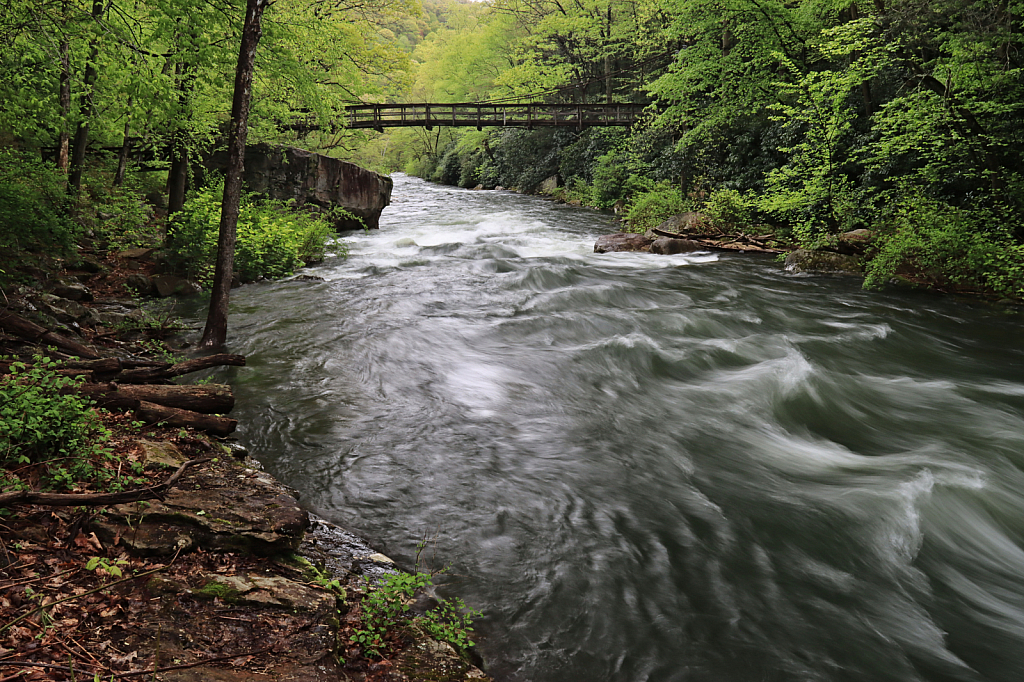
x=225 y=576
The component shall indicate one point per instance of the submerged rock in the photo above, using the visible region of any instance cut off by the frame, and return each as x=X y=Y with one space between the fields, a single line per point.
x=622 y=241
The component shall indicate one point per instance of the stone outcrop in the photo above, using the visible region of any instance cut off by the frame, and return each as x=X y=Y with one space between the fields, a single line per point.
x=314 y=180
x=622 y=241
x=223 y=507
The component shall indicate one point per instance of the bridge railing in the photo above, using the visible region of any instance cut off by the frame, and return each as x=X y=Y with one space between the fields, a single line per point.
x=472 y=114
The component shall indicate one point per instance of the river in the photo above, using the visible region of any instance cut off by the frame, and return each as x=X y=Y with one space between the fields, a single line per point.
x=638 y=467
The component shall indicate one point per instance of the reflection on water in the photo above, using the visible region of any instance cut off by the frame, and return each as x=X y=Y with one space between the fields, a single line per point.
x=692 y=467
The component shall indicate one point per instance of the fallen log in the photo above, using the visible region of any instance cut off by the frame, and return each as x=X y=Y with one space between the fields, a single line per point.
x=151 y=413
x=30 y=331
x=98 y=366
x=153 y=374
x=105 y=395
x=206 y=399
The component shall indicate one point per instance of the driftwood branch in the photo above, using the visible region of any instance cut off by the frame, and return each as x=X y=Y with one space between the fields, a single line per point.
x=96 y=499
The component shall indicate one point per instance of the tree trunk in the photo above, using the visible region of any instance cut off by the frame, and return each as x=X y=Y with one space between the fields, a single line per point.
x=122 y=157
x=217 y=321
x=177 y=176
x=86 y=111
x=64 y=99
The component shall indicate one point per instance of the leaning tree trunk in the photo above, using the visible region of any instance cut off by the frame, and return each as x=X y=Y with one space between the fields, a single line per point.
x=217 y=321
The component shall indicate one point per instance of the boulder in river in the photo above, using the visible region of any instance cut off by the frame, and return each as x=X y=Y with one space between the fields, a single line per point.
x=808 y=260
x=622 y=241
x=669 y=246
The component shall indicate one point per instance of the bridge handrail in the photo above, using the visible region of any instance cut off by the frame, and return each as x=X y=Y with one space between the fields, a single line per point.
x=482 y=113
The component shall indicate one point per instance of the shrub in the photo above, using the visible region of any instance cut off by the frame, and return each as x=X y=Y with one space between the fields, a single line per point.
x=34 y=208
x=123 y=217
x=940 y=241
x=727 y=208
x=43 y=422
x=651 y=208
x=386 y=605
x=273 y=240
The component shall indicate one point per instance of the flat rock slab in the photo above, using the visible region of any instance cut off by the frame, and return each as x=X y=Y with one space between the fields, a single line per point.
x=622 y=241
x=218 y=506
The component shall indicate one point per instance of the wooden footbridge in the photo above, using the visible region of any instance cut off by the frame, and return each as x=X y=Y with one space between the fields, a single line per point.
x=579 y=116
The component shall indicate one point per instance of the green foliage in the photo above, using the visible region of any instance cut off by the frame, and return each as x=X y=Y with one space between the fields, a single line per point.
x=940 y=243
x=123 y=218
x=44 y=422
x=273 y=239
x=386 y=605
x=112 y=568
x=727 y=208
x=653 y=207
x=38 y=422
x=34 y=209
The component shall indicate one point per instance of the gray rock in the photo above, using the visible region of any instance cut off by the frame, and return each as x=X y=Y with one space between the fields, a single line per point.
x=806 y=260
x=73 y=291
x=138 y=253
x=622 y=241
x=61 y=309
x=140 y=284
x=171 y=285
x=88 y=263
x=224 y=507
x=668 y=246
x=855 y=242
x=548 y=185
x=274 y=591
x=683 y=222
x=288 y=173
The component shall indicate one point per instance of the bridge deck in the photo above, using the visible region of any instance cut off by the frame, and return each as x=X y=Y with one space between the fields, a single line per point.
x=380 y=116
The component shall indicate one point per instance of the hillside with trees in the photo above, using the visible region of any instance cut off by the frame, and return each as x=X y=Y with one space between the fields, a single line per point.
x=815 y=118
x=811 y=118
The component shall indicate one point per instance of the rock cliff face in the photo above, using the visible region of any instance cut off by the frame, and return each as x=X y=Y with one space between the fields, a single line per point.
x=313 y=179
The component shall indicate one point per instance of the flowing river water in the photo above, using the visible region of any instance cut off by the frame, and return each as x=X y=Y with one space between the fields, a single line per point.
x=642 y=467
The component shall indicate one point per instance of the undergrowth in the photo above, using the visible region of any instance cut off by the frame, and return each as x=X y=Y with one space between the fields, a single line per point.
x=50 y=438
